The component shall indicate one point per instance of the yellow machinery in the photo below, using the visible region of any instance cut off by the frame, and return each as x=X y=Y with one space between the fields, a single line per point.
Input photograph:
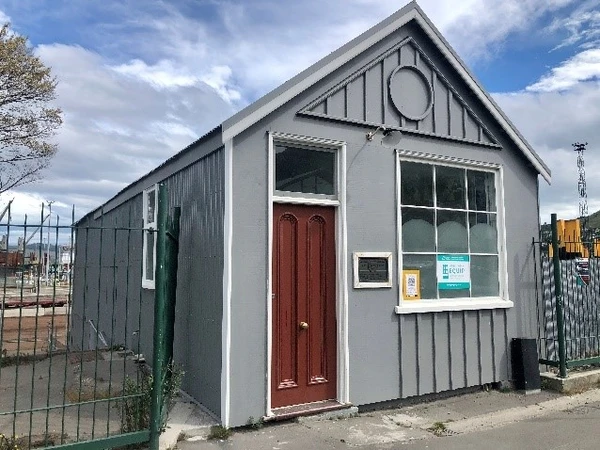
x=569 y=240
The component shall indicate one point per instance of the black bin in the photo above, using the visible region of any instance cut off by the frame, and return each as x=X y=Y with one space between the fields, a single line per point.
x=525 y=366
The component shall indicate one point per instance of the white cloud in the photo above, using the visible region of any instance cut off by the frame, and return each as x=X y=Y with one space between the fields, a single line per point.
x=161 y=75
x=218 y=78
x=116 y=128
x=4 y=18
x=582 y=67
x=551 y=122
x=582 y=26
x=482 y=26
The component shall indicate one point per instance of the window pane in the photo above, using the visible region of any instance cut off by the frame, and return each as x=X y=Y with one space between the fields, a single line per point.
x=151 y=198
x=418 y=234
x=452 y=231
x=450 y=187
x=484 y=276
x=304 y=170
x=426 y=265
x=484 y=235
x=482 y=190
x=417 y=184
x=149 y=255
x=454 y=293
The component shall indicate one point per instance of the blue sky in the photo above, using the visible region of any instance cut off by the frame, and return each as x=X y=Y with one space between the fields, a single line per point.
x=141 y=80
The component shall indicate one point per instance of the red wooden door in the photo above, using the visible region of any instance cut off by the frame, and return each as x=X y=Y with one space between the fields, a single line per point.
x=304 y=321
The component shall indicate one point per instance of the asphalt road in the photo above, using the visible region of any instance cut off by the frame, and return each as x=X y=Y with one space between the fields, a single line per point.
x=573 y=429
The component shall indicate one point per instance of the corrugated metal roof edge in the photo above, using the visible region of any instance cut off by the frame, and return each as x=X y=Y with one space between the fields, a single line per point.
x=168 y=161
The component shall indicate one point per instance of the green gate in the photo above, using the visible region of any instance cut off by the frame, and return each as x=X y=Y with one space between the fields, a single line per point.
x=86 y=352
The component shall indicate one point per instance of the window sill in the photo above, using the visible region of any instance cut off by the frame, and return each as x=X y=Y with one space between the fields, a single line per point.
x=148 y=284
x=428 y=306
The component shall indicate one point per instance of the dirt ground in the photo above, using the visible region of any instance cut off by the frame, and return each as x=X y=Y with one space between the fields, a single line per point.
x=69 y=394
x=36 y=334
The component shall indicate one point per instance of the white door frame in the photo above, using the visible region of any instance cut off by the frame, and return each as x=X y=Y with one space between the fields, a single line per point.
x=341 y=248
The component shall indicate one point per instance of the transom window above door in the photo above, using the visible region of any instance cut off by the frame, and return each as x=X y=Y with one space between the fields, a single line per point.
x=305 y=170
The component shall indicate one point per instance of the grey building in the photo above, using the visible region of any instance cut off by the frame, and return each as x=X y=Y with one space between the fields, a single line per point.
x=360 y=234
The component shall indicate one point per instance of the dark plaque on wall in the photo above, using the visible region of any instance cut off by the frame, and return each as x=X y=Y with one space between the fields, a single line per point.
x=373 y=269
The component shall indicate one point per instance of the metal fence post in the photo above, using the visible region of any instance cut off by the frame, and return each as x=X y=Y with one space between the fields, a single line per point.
x=159 y=362
x=171 y=270
x=562 y=356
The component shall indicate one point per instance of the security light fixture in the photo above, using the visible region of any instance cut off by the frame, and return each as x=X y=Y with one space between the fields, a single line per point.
x=390 y=137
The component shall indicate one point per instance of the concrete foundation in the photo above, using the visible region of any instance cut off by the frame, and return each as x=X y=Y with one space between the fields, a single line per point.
x=575 y=382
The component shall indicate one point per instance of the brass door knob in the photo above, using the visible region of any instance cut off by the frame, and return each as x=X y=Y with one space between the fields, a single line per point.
x=303 y=325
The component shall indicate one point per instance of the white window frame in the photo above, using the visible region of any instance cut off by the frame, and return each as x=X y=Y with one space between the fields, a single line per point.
x=366 y=285
x=465 y=303
x=311 y=144
x=149 y=224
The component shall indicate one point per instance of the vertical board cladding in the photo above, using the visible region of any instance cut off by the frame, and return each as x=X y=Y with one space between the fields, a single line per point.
x=391 y=356
x=108 y=274
x=451 y=350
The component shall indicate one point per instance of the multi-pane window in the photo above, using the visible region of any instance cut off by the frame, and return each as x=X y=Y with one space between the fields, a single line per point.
x=449 y=229
x=150 y=199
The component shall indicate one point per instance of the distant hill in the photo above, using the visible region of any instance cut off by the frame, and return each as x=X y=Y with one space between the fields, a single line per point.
x=594 y=220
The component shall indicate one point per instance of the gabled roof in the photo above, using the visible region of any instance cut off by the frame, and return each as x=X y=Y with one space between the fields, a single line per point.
x=411 y=12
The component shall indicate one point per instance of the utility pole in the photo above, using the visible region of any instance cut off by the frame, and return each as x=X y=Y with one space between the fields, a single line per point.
x=582 y=189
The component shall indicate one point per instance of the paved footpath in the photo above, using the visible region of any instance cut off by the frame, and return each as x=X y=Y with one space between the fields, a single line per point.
x=494 y=420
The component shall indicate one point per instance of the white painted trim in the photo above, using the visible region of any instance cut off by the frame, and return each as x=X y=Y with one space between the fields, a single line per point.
x=343 y=354
x=485 y=99
x=502 y=244
x=149 y=225
x=310 y=140
x=366 y=285
x=343 y=351
x=305 y=200
x=227 y=287
x=270 y=199
x=446 y=160
x=465 y=304
x=314 y=77
x=245 y=122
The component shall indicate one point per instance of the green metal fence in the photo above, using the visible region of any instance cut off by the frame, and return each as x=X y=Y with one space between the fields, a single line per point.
x=77 y=331
x=568 y=302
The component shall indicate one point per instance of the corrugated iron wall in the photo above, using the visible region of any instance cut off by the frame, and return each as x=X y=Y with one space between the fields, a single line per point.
x=199 y=190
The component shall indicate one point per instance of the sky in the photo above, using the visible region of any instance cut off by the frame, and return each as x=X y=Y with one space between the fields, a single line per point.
x=140 y=80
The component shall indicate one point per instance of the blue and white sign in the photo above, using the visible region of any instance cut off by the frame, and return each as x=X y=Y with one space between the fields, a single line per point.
x=453 y=272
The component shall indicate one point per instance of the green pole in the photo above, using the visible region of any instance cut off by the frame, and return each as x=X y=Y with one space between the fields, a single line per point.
x=160 y=309
x=562 y=356
x=171 y=270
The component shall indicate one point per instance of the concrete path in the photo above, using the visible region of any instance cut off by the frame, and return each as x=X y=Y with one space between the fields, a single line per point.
x=492 y=419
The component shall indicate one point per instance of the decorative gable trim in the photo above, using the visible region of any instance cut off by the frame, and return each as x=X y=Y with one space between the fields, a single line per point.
x=298 y=84
x=437 y=117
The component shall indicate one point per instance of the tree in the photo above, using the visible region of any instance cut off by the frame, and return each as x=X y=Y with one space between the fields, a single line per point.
x=27 y=120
